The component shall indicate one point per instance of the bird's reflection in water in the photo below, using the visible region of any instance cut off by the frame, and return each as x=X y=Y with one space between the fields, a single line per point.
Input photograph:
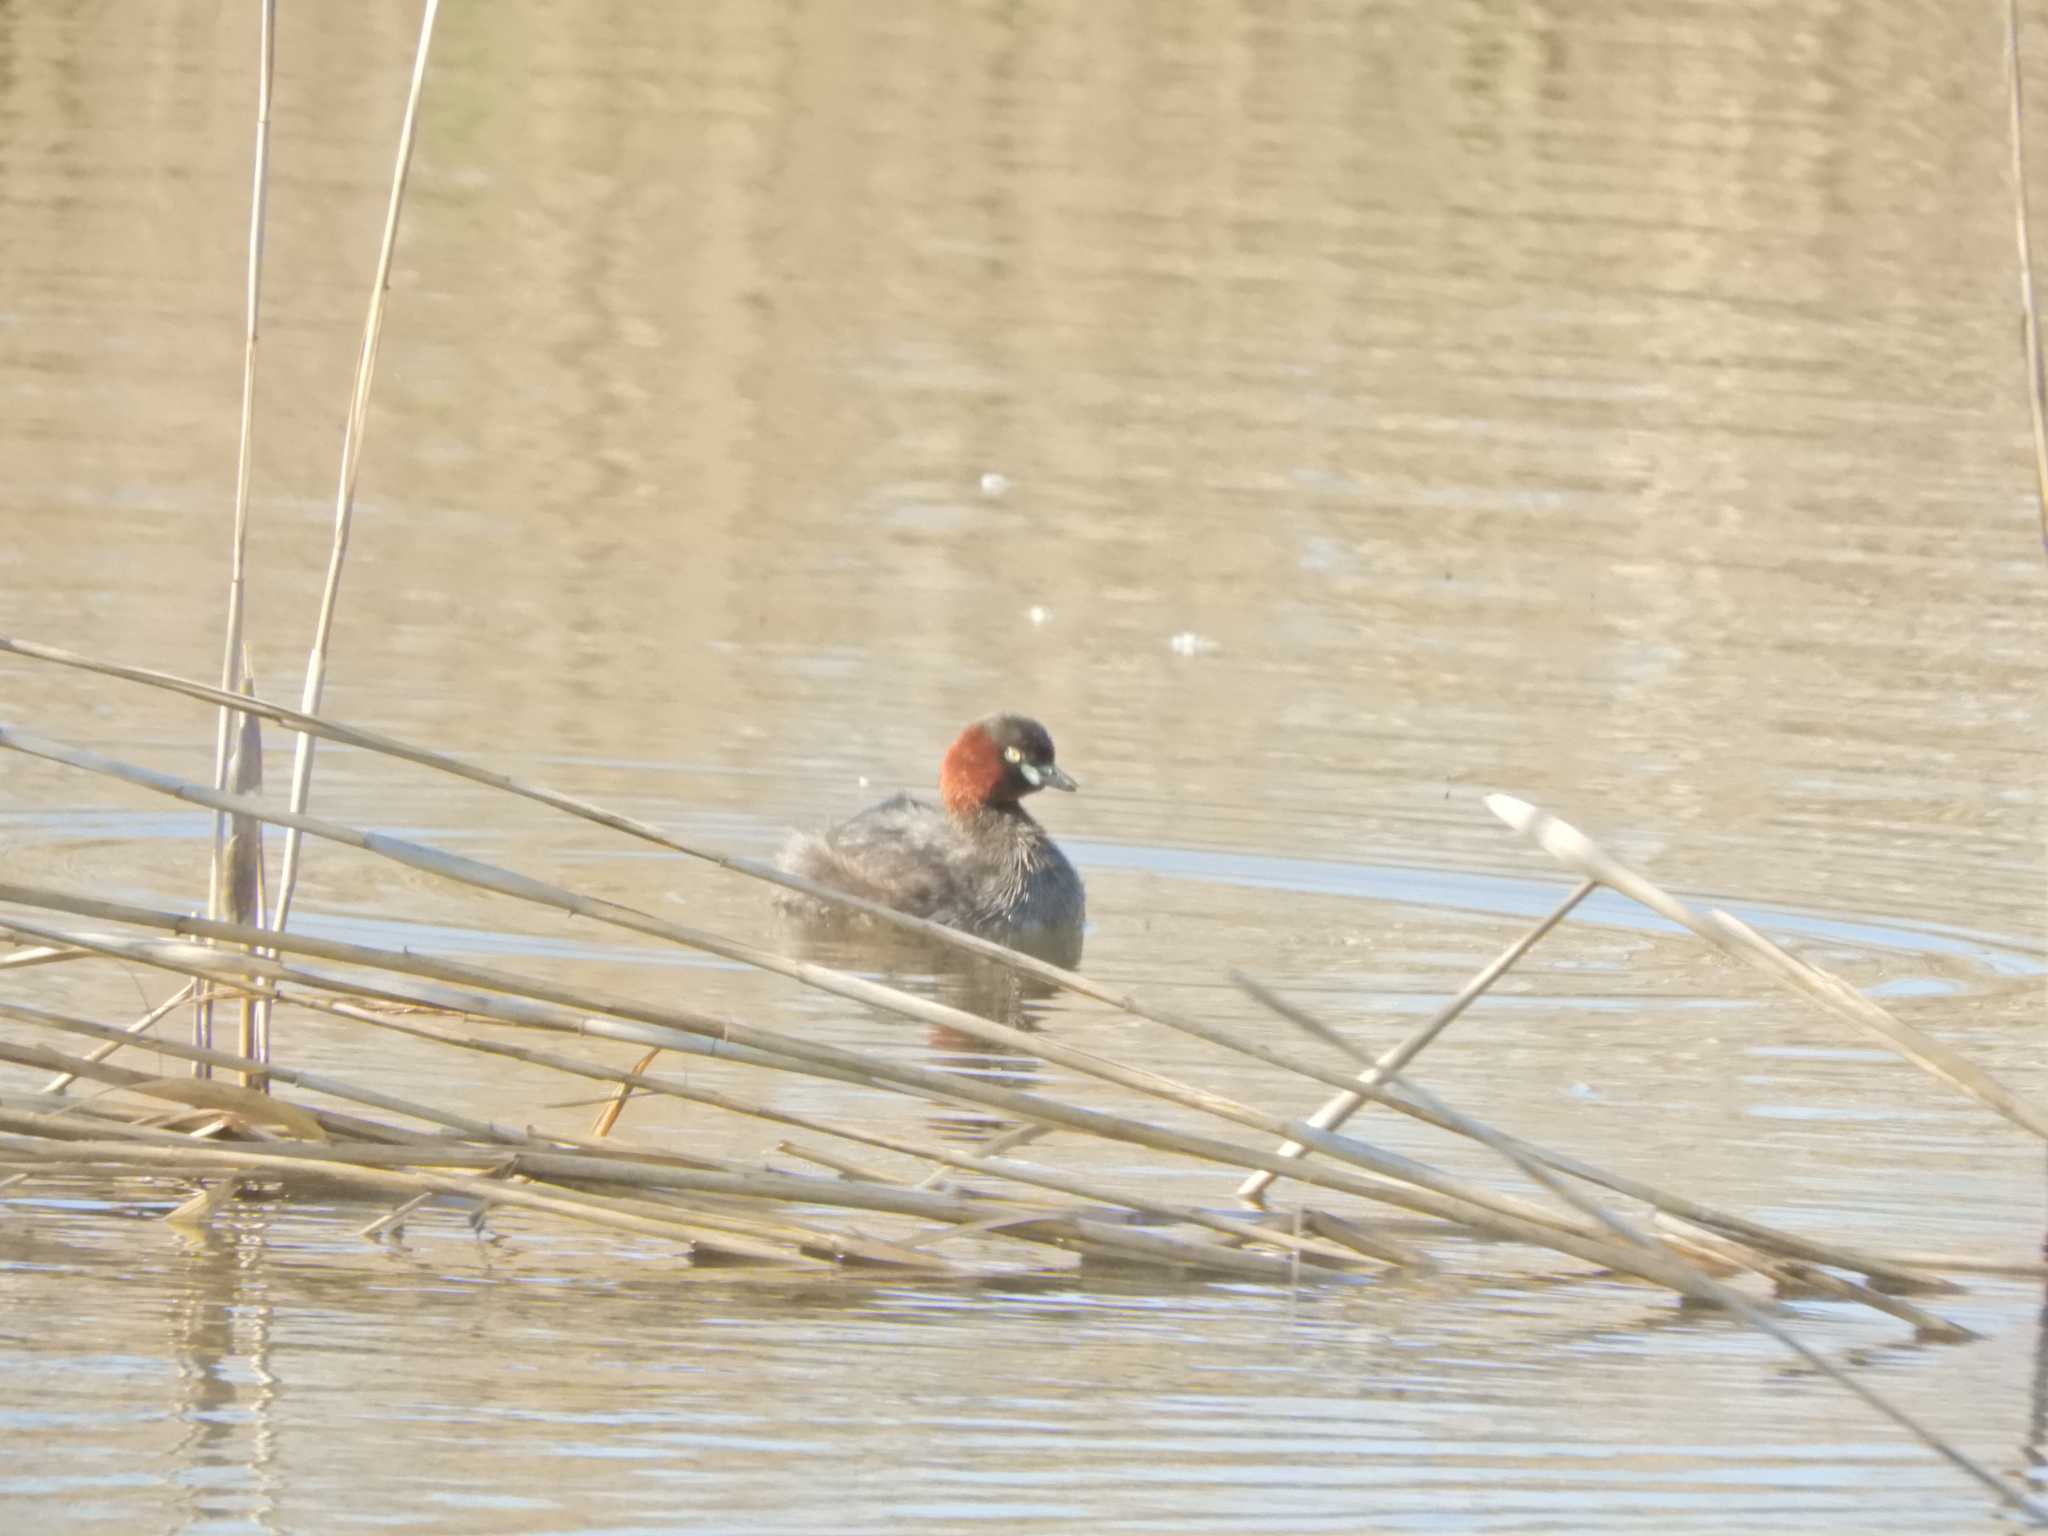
x=929 y=969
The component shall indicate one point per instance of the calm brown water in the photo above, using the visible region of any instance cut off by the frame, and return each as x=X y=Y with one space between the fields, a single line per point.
x=1320 y=414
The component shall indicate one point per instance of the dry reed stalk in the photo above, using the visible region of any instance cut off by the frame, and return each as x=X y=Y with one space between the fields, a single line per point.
x=1071 y=981
x=985 y=1161
x=815 y=1241
x=1412 y=1099
x=1059 y=1229
x=1694 y=1282
x=708 y=1028
x=608 y=1117
x=430 y=1153
x=845 y=1167
x=1364 y=1239
x=1576 y=1240
x=241 y=898
x=1505 y=1219
x=346 y=1166
x=373 y=1166
x=64 y=1080
x=1420 y=1105
x=1792 y=1274
x=39 y=954
x=1404 y=1183
x=1573 y=849
x=839 y=1066
x=1387 y=1164
x=310 y=1082
x=2018 y=1266
x=2037 y=402
x=1896 y=1271
x=335 y=1123
x=393 y=1221
x=1334 y=1112
x=232 y=724
x=506 y=882
x=351 y=459
x=850 y=1244
x=1464 y=1124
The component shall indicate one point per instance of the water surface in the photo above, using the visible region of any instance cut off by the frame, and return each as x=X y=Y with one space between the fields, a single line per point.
x=1320 y=414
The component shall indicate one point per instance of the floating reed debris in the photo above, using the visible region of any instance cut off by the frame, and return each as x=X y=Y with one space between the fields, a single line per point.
x=992 y=1205
x=419 y=981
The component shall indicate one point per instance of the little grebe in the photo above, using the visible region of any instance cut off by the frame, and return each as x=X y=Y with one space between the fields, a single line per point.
x=980 y=863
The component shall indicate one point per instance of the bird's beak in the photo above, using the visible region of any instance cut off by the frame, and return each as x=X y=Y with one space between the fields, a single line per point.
x=1052 y=776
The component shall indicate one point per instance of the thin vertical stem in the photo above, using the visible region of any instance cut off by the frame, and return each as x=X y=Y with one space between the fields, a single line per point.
x=231 y=647
x=2035 y=397
x=351 y=458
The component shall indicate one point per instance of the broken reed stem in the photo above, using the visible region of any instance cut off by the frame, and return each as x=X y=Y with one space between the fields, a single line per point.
x=713 y=1035
x=311 y=1082
x=1573 y=849
x=1413 y=1100
x=1027 y=1174
x=351 y=459
x=307 y=1117
x=844 y=1246
x=502 y=881
x=1791 y=1274
x=308 y=723
x=334 y=1122
x=1693 y=1281
x=1334 y=1112
x=368 y=1168
x=709 y=1034
x=491 y=877
x=374 y=1166
x=229 y=726
x=469 y=871
x=1465 y=1125
x=129 y=1035
x=2037 y=403
x=1489 y=1215
x=436 y=1153
x=877 y=994
x=608 y=1117
x=242 y=874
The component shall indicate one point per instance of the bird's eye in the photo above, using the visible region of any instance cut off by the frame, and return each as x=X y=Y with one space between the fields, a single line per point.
x=1011 y=754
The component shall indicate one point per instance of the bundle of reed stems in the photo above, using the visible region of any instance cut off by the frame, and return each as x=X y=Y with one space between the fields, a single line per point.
x=880 y=1198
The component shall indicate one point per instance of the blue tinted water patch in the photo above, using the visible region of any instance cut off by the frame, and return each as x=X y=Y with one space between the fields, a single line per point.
x=449 y=939
x=1818 y=1053
x=1922 y=986
x=1516 y=896
x=74 y=824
